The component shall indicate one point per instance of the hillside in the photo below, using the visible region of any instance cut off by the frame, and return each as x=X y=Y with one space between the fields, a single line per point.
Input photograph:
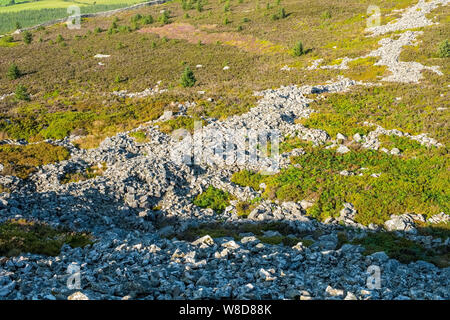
x=136 y=148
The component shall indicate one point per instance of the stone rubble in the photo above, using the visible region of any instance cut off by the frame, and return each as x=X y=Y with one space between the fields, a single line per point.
x=391 y=47
x=4 y=96
x=131 y=257
x=136 y=209
x=370 y=141
x=146 y=93
x=413 y=17
x=401 y=71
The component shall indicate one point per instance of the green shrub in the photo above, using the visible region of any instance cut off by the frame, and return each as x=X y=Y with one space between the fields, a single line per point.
x=298 y=49
x=243 y=208
x=22 y=93
x=164 y=18
x=226 y=8
x=59 y=38
x=187 y=78
x=13 y=72
x=136 y=17
x=247 y=178
x=213 y=198
x=187 y=4
x=282 y=13
x=199 y=6
x=27 y=37
x=326 y=15
x=139 y=136
x=444 y=49
x=148 y=19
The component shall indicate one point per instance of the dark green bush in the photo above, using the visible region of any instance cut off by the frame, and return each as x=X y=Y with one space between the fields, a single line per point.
x=444 y=49
x=187 y=78
x=27 y=37
x=13 y=72
x=298 y=49
x=22 y=93
x=213 y=198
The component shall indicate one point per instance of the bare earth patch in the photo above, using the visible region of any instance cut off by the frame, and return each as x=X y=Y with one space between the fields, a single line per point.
x=191 y=34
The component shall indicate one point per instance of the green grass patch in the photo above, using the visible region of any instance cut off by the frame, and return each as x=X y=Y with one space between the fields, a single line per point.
x=140 y=136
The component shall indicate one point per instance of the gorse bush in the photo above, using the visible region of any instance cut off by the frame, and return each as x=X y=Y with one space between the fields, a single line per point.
x=187 y=78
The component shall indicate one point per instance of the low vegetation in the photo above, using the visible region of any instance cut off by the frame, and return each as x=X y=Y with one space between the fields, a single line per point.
x=213 y=198
x=287 y=236
x=444 y=49
x=403 y=250
x=20 y=161
x=415 y=184
x=22 y=236
x=140 y=136
x=89 y=173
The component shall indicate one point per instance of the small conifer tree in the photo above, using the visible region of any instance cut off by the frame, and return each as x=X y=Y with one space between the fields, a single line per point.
x=187 y=78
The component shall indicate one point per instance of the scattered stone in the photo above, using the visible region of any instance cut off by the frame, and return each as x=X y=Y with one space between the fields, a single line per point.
x=342 y=149
x=78 y=296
